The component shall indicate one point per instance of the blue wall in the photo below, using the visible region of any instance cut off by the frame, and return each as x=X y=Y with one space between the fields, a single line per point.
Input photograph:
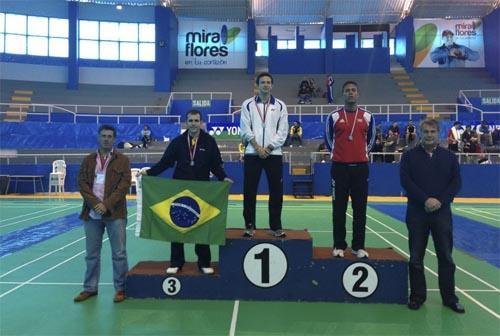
x=491 y=33
x=30 y=135
x=405 y=44
x=384 y=178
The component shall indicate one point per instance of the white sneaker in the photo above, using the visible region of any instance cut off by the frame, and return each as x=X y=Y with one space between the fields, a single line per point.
x=360 y=253
x=338 y=253
x=207 y=270
x=172 y=270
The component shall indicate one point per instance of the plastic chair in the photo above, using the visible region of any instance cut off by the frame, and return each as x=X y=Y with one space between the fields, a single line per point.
x=133 y=180
x=57 y=176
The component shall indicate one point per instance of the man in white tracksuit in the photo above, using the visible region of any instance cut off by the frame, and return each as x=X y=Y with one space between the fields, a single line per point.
x=264 y=128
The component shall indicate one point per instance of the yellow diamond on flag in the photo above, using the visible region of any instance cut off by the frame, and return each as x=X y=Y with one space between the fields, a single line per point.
x=184 y=211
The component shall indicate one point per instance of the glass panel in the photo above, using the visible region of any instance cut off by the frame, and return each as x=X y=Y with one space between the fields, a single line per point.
x=38 y=26
x=58 y=27
x=128 y=32
x=282 y=44
x=108 y=50
x=15 y=44
x=338 y=44
x=147 y=52
x=292 y=44
x=311 y=44
x=89 y=49
x=128 y=51
x=38 y=46
x=366 y=43
x=2 y=22
x=391 y=46
x=15 y=24
x=146 y=32
x=89 y=29
x=58 y=47
x=2 y=44
x=109 y=31
x=262 y=48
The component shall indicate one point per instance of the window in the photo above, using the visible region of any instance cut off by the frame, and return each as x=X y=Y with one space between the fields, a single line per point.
x=338 y=44
x=117 y=41
x=33 y=35
x=287 y=44
x=391 y=46
x=312 y=44
x=367 y=43
x=262 y=48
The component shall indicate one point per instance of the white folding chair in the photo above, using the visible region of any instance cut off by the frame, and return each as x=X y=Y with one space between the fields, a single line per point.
x=57 y=176
x=133 y=180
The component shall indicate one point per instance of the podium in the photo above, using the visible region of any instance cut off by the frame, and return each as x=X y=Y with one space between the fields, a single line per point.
x=268 y=268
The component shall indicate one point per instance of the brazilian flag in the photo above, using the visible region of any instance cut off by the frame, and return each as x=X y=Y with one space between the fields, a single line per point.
x=184 y=211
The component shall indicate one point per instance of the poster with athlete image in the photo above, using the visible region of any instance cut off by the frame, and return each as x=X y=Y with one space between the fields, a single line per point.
x=449 y=43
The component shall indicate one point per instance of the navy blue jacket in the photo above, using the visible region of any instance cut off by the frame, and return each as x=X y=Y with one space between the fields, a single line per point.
x=424 y=176
x=207 y=159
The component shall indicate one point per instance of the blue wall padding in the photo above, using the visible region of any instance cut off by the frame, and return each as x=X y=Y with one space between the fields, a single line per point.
x=384 y=178
x=476 y=238
x=30 y=135
x=20 y=239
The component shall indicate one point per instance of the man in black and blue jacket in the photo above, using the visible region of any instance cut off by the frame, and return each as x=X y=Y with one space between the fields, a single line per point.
x=431 y=177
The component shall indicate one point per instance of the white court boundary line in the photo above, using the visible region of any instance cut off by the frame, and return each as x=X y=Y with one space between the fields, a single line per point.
x=480 y=304
x=24 y=220
x=234 y=318
x=40 y=283
x=434 y=254
x=48 y=254
x=48 y=210
x=470 y=212
x=49 y=269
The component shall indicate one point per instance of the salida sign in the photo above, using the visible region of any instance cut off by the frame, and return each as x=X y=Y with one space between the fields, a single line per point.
x=211 y=45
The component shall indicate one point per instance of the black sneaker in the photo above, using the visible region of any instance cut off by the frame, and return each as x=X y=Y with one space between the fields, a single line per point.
x=278 y=233
x=456 y=307
x=414 y=305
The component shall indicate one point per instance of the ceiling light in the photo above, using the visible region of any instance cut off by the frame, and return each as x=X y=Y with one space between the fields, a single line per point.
x=119 y=7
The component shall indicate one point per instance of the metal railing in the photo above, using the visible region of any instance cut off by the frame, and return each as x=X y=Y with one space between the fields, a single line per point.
x=48 y=110
x=381 y=110
x=494 y=158
x=479 y=93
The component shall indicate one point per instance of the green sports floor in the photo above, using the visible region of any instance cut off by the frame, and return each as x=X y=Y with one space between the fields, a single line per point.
x=38 y=282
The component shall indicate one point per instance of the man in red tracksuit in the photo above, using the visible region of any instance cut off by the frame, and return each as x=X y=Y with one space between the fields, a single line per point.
x=349 y=134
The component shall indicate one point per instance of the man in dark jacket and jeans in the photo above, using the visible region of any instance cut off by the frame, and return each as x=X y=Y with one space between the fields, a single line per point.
x=431 y=177
x=194 y=154
x=104 y=180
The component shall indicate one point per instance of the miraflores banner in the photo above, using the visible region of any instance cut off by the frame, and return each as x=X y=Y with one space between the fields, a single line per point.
x=448 y=43
x=212 y=45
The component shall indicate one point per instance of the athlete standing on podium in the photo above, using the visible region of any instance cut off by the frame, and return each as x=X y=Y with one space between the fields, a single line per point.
x=349 y=134
x=264 y=128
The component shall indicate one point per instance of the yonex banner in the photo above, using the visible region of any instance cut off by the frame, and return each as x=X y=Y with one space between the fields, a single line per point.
x=224 y=131
x=212 y=45
x=449 y=43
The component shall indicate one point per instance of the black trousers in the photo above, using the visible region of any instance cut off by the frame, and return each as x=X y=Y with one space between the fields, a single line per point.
x=439 y=224
x=273 y=167
x=349 y=179
x=177 y=255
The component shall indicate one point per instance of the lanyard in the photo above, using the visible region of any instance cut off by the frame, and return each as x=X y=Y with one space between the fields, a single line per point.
x=353 y=123
x=192 y=151
x=262 y=117
x=99 y=166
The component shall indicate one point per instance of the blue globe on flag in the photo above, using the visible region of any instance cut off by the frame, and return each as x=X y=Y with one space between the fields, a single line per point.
x=184 y=211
